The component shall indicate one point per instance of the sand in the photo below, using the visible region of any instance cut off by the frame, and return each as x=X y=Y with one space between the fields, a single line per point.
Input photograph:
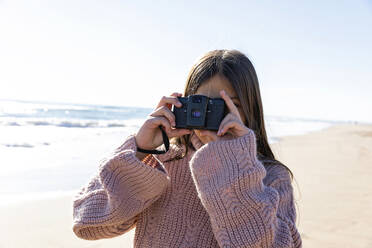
x=333 y=170
x=333 y=191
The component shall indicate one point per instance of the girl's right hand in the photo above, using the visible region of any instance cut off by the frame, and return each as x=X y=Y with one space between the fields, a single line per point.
x=149 y=136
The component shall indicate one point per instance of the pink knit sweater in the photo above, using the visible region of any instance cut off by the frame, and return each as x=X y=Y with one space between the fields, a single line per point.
x=220 y=195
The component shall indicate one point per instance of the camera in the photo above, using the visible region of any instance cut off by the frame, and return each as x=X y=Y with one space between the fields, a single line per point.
x=200 y=112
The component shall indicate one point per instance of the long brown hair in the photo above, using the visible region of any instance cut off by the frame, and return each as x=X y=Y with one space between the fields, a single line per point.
x=239 y=71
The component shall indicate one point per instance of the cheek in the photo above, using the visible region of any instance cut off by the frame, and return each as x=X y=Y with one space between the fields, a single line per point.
x=201 y=138
x=197 y=133
x=200 y=133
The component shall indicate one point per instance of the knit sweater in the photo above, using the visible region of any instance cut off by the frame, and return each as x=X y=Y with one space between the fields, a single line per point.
x=218 y=195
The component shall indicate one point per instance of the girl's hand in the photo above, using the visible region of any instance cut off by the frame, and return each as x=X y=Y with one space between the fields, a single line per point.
x=149 y=136
x=231 y=126
x=232 y=123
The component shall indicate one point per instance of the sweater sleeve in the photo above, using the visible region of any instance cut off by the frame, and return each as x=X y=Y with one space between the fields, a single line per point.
x=243 y=211
x=109 y=204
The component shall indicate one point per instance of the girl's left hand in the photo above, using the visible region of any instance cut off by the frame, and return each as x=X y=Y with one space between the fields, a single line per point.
x=232 y=124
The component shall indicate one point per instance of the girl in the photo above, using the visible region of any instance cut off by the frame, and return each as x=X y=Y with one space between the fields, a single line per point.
x=210 y=189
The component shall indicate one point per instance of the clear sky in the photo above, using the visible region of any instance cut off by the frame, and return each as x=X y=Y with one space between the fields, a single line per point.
x=313 y=58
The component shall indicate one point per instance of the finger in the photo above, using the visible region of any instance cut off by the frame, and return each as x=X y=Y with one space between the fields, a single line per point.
x=227 y=126
x=227 y=118
x=160 y=120
x=230 y=104
x=157 y=121
x=168 y=101
x=176 y=94
x=164 y=111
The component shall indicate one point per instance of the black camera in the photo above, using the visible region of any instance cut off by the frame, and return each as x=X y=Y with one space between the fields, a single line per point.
x=200 y=112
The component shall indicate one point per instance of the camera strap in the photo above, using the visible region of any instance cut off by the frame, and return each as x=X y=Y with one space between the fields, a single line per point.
x=166 y=143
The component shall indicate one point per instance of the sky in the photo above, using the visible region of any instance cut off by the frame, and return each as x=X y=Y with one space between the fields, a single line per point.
x=313 y=58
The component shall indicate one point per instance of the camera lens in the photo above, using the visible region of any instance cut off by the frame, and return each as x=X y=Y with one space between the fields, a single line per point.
x=195 y=113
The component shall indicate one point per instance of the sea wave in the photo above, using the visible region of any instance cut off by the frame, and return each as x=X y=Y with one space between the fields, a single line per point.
x=26 y=145
x=24 y=109
x=71 y=123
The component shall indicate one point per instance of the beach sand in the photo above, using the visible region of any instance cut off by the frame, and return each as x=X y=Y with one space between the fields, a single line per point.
x=333 y=184
x=333 y=192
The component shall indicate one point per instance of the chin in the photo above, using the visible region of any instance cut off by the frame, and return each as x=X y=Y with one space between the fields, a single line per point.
x=205 y=141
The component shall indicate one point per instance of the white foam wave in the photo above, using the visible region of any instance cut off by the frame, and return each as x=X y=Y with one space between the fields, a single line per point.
x=19 y=145
x=68 y=123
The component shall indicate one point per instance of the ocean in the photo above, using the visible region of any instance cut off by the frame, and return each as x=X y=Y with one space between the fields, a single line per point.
x=52 y=149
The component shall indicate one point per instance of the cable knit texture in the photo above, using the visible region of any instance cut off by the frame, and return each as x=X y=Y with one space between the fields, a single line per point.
x=219 y=195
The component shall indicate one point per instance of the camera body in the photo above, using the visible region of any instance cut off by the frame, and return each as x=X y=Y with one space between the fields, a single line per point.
x=200 y=112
